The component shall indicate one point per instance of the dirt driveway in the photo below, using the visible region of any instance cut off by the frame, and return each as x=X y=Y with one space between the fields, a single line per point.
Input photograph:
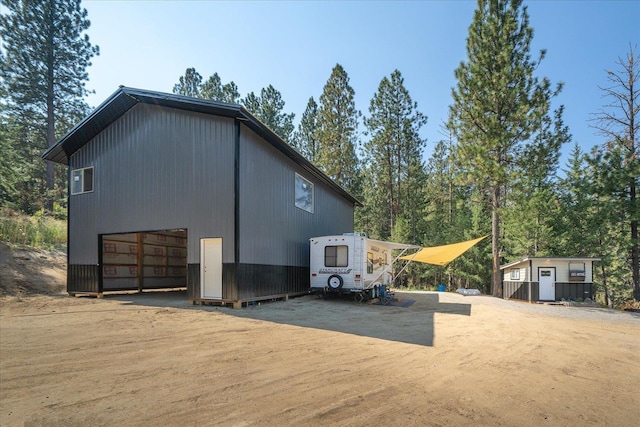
x=434 y=359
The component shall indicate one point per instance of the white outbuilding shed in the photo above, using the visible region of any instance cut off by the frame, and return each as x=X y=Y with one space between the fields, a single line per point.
x=548 y=279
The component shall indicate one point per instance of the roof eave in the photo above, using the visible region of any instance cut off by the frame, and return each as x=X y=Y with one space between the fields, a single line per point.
x=520 y=261
x=101 y=117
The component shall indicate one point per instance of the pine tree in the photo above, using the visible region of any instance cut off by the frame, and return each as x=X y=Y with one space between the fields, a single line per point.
x=394 y=155
x=189 y=84
x=470 y=271
x=440 y=197
x=46 y=55
x=268 y=108
x=305 y=139
x=252 y=103
x=497 y=103
x=531 y=212
x=575 y=201
x=619 y=122
x=608 y=221
x=214 y=89
x=337 y=131
x=9 y=174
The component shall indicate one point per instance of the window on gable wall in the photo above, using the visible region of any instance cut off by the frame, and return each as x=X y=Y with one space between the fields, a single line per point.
x=304 y=194
x=82 y=180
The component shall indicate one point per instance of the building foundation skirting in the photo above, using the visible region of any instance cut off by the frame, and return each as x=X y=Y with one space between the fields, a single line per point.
x=242 y=282
x=245 y=282
x=257 y=280
x=83 y=279
x=530 y=291
x=525 y=291
x=574 y=291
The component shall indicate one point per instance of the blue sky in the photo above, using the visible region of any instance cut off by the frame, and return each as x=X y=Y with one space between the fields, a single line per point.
x=293 y=45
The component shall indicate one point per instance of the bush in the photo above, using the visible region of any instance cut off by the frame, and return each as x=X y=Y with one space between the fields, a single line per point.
x=39 y=230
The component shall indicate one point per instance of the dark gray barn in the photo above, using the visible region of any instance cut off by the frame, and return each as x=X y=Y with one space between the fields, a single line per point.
x=170 y=191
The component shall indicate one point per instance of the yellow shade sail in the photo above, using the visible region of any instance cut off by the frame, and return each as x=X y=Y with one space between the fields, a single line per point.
x=442 y=255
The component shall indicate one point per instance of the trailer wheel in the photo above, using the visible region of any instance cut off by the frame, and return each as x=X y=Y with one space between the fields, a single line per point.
x=335 y=282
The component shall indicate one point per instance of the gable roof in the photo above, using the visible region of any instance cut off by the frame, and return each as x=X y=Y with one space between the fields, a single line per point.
x=526 y=259
x=125 y=98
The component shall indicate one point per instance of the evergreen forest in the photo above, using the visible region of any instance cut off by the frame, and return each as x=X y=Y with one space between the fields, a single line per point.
x=495 y=171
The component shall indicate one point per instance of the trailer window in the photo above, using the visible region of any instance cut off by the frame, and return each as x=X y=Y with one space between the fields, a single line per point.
x=336 y=256
x=369 y=263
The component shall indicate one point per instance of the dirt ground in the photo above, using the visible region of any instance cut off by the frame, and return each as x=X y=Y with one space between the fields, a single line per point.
x=439 y=359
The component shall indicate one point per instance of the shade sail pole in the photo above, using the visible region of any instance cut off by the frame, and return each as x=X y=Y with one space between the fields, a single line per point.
x=404 y=267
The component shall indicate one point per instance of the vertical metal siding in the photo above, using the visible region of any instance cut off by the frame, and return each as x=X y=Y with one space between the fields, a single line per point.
x=273 y=231
x=83 y=278
x=158 y=168
x=269 y=280
x=155 y=169
x=574 y=291
x=229 y=281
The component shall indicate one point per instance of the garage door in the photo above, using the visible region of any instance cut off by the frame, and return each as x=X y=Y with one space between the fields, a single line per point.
x=149 y=260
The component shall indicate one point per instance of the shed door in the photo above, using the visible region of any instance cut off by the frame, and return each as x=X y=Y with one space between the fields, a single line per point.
x=547 y=277
x=211 y=268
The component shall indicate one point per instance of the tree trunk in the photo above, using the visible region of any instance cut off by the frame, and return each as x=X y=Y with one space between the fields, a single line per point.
x=604 y=284
x=51 y=138
x=635 y=253
x=496 y=282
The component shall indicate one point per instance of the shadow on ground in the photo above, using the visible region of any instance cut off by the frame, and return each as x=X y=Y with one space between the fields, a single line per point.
x=413 y=324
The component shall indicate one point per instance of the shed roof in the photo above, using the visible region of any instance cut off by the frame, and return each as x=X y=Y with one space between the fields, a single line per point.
x=526 y=259
x=125 y=98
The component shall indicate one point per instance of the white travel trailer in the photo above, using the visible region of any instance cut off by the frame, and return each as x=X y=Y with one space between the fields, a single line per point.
x=351 y=263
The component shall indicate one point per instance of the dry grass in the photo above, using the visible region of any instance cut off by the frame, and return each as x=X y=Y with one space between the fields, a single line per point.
x=39 y=230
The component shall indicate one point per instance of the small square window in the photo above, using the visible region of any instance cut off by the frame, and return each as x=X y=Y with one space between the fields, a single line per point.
x=304 y=194
x=515 y=274
x=82 y=180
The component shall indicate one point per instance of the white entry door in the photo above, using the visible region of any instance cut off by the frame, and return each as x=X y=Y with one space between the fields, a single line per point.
x=547 y=281
x=211 y=268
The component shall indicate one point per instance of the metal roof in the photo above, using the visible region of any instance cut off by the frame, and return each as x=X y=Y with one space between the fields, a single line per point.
x=125 y=98
x=526 y=259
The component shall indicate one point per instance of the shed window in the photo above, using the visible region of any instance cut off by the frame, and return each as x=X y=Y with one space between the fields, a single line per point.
x=82 y=180
x=577 y=271
x=304 y=194
x=515 y=274
x=336 y=256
